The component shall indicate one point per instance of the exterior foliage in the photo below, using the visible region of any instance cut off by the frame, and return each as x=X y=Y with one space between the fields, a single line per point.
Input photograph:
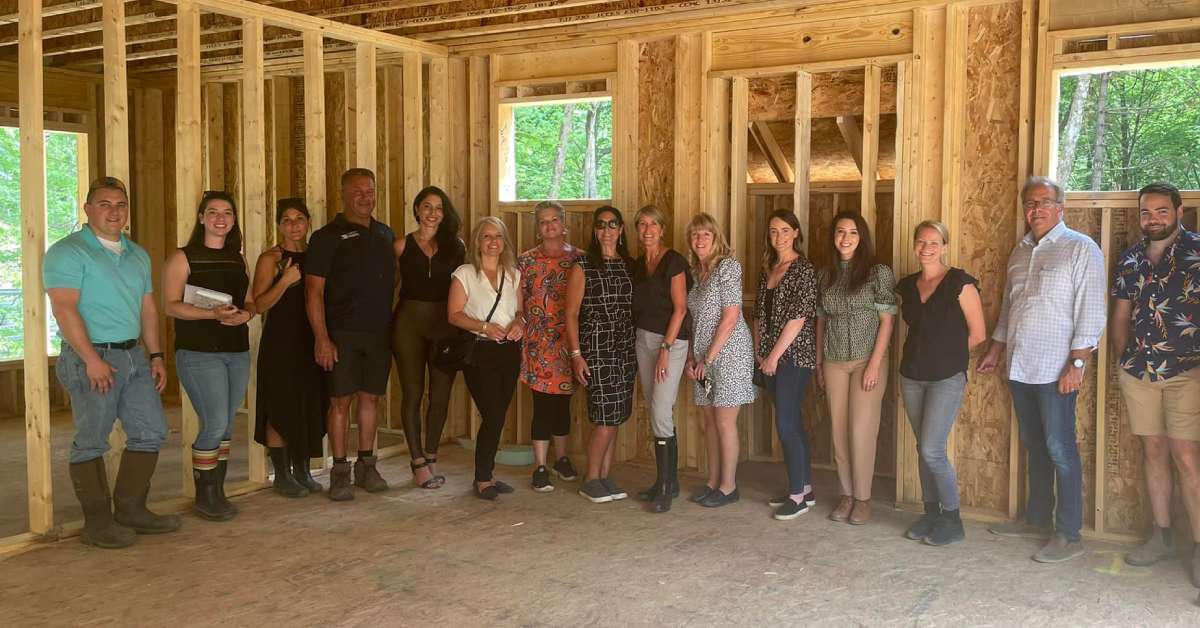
x=538 y=148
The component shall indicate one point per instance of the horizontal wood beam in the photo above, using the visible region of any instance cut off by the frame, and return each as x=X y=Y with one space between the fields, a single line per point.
x=328 y=28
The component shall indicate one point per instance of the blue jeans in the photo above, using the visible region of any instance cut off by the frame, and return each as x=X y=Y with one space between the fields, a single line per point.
x=1046 y=420
x=787 y=388
x=216 y=385
x=932 y=408
x=132 y=398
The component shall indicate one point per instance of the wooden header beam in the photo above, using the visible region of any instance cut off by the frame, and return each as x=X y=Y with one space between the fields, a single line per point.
x=334 y=30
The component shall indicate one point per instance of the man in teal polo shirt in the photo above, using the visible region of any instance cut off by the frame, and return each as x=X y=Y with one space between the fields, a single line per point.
x=99 y=286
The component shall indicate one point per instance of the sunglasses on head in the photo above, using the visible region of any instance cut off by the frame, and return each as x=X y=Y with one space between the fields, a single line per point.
x=615 y=223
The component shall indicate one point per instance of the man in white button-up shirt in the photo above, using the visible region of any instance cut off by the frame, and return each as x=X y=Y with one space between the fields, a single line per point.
x=1051 y=319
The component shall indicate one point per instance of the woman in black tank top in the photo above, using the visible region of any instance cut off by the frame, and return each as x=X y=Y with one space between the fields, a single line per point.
x=289 y=416
x=427 y=258
x=212 y=340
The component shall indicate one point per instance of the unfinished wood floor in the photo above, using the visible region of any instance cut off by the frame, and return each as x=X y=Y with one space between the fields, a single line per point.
x=409 y=557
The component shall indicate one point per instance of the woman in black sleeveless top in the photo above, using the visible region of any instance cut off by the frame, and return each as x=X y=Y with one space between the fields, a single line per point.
x=289 y=416
x=427 y=257
x=212 y=341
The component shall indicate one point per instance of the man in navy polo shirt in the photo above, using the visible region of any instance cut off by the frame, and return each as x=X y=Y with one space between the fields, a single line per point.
x=99 y=286
x=350 y=274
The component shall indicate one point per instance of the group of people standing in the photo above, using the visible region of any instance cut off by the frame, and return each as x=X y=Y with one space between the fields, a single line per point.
x=558 y=318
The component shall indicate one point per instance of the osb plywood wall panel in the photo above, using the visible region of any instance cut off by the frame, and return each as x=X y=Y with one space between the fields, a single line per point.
x=335 y=140
x=988 y=225
x=1086 y=221
x=1087 y=13
x=656 y=131
x=1125 y=500
x=773 y=98
x=232 y=119
x=298 y=171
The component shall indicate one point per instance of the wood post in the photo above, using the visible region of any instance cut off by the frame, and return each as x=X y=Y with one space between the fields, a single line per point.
x=738 y=128
x=414 y=135
x=187 y=180
x=116 y=148
x=254 y=206
x=366 y=122
x=33 y=252
x=870 y=157
x=314 y=128
x=689 y=83
x=803 y=152
x=439 y=123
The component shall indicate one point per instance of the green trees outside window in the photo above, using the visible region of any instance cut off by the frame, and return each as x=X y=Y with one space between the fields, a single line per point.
x=563 y=151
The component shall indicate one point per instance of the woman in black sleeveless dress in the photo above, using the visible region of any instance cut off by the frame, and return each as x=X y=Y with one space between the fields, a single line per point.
x=290 y=406
x=212 y=344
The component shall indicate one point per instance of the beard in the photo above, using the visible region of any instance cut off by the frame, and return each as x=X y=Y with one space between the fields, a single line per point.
x=1167 y=232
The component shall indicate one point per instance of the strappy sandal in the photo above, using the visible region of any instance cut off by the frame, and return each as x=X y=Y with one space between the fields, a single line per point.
x=433 y=460
x=431 y=483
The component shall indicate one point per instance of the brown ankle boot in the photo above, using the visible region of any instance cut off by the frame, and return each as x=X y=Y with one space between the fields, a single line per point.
x=861 y=513
x=842 y=512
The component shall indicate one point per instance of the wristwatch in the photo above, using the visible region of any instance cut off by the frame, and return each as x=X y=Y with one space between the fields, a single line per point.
x=157 y=354
x=665 y=345
x=1078 y=363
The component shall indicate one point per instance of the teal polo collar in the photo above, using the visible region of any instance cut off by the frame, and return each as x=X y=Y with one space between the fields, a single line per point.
x=93 y=240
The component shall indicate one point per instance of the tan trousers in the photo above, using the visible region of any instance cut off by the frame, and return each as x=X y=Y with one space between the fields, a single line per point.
x=854 y=415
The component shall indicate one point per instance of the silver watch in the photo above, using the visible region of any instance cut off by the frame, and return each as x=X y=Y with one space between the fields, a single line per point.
x=1078 y=363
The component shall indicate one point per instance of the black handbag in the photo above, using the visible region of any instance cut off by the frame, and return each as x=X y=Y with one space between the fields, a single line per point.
x=455 y=352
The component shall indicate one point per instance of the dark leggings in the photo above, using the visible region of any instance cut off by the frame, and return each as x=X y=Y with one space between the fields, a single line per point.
x=417 y=327
x=491 y=382
x=551 y=415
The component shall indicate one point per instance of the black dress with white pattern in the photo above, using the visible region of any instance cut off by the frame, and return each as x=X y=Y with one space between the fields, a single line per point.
x=606 y=338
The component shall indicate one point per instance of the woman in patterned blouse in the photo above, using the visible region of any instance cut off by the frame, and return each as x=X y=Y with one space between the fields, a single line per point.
x=786 y=350
x=545 y=367
x=854 y=327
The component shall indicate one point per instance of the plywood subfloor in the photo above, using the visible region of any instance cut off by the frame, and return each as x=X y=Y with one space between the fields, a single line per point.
x=445 y=558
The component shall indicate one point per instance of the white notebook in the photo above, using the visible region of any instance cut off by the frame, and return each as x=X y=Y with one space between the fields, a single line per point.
x=204 y=298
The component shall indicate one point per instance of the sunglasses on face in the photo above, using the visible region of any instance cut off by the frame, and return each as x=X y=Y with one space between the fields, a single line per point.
x=615 y=223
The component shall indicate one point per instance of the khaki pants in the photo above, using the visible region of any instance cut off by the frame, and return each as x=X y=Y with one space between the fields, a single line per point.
x=854 y=414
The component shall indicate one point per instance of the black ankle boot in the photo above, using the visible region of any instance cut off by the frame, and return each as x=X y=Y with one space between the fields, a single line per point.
x=284 y=483
x=208 y=500
x=924 y=526
x=302 y=473
x=948 y=529
x=662 y=500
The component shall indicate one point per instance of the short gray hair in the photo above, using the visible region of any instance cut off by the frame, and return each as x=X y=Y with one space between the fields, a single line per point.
x=555 y=205
x=1060 y=196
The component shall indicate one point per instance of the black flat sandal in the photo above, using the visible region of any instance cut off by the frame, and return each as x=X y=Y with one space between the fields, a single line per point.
x=431 y=483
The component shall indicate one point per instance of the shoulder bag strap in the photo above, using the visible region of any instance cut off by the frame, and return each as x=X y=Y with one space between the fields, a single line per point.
x=499 y=292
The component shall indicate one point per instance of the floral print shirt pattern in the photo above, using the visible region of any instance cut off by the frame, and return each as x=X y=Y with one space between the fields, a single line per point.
x=1166 y=308
x=544 y=363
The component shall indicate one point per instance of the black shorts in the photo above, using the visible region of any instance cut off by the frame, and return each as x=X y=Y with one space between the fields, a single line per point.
x=363 y=365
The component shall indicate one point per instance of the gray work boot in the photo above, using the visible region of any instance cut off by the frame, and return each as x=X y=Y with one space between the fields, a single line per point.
x=367 y=477
x=1160 y=546
x=1058 y=550
x=1021 y=529
x=340 y=487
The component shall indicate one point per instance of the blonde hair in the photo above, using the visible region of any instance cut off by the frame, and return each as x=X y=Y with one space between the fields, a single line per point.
x=555 y=205
x=705 y=222
x=938 y=226
x=508 y=259
x=651 y=212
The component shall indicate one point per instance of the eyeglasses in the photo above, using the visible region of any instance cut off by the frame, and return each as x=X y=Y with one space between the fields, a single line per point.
x=1045 y=203
x=615 y=223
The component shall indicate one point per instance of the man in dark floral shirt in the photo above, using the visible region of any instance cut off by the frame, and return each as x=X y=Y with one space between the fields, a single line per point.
x=1156 y=331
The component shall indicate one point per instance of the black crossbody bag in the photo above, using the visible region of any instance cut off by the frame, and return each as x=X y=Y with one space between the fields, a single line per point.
x=456 y=351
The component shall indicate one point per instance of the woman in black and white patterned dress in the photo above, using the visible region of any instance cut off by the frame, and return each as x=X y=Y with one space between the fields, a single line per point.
x=600 y=333
x=722 y=358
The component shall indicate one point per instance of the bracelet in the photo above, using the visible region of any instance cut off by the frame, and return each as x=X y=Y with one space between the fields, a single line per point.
x=576 y=354
x=483 y=330
x=159 y=355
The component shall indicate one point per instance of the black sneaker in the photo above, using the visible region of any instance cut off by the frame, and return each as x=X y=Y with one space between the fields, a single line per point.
x=790 y=510
x=541 y=480
x=614 y=491
x=565 y=470
x=595 y=492
x=810 y=498
x=776 y=502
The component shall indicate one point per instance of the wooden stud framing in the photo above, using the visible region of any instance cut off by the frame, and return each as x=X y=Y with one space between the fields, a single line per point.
x=738 y=127
x=955 y=120
x=870 y=157
x=779 y=162
x=1042 y=126
x=414 y=135
x=625 y=129
x=1102 y=358
x=213 y=141
x=254 y=204
x=116 y=95
x=439 y=123
x=393 y=128
x=187 y=179
x=688 y=138
x=852 y=135
x=803 y=151
x=33 y=251
x=314 y=128
x=366 y=121
x=281 y=135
